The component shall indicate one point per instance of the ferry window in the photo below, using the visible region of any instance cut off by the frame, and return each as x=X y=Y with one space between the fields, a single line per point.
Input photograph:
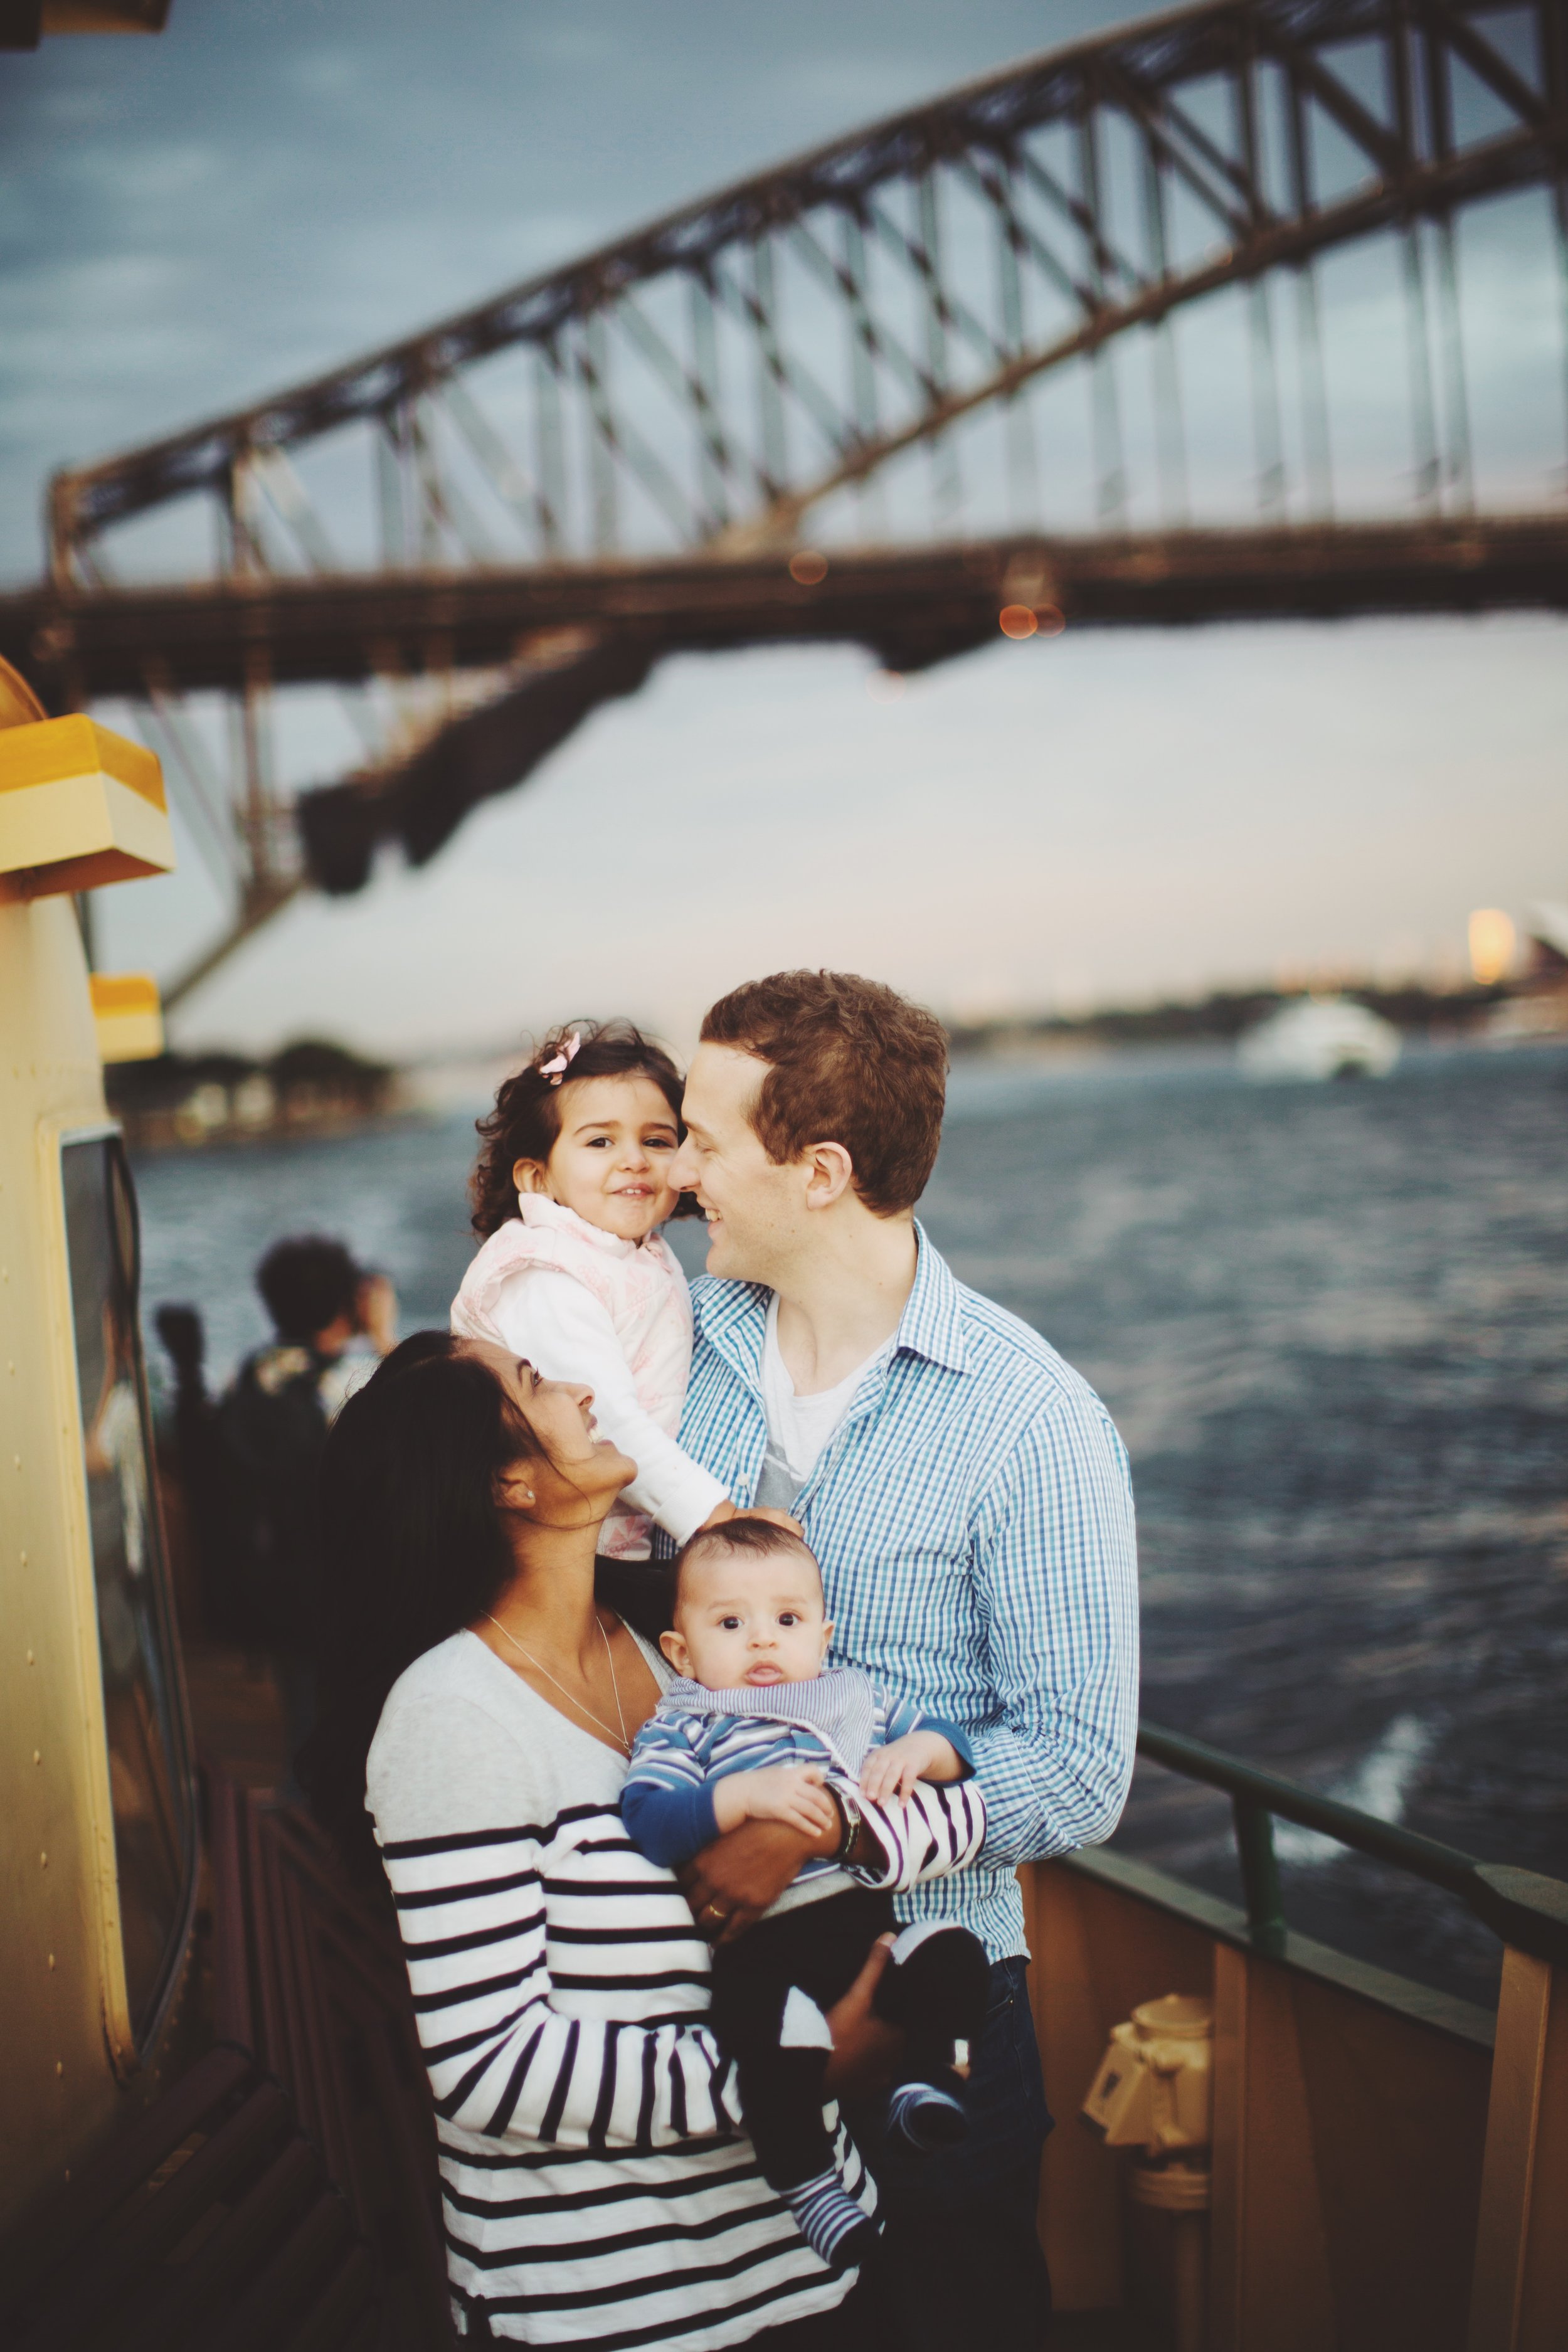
x=149 y=1781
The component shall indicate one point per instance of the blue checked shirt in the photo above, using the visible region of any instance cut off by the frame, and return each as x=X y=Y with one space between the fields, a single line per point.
x=973 y=1517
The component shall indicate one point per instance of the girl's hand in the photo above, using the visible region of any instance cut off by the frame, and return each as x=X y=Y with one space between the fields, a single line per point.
x=893 y=1771
x=729 y=1511
x=793 y=1794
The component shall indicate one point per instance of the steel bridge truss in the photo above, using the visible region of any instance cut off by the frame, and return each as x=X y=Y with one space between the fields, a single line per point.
x=844 y=350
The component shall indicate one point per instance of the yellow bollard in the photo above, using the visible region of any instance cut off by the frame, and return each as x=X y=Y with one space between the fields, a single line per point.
x=1152 y=2090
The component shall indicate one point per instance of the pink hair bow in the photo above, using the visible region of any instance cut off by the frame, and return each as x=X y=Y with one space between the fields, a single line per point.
x=556 y=1067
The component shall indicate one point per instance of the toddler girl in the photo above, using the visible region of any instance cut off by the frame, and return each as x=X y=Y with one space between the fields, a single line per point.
x=568 y=1196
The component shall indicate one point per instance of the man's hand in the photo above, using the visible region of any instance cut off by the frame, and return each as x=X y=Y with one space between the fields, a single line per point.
x=793 y=1794
x=377 y=1313
x=892 y=1770
x=867 y=2050
x=732 y=1882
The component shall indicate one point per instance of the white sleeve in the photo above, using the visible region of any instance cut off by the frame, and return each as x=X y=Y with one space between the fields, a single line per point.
x=561 y=1328
x=503 y=2059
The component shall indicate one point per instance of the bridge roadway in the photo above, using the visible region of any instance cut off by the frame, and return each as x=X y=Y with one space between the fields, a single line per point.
x=909 y=605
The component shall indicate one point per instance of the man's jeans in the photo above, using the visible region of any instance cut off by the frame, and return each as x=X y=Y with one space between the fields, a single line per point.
x=961 y=2264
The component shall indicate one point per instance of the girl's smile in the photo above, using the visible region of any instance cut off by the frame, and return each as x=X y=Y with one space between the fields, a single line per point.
x=610 y=1163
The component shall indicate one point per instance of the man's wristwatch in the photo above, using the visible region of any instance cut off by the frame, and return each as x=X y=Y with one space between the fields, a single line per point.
x=849 y=1814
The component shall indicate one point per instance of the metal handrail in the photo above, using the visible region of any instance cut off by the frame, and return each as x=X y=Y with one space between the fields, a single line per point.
x=1522 y=1906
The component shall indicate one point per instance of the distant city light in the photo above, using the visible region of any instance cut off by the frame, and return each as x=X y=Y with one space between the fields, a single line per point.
x=1030 y=620
x=1492 y=942
x=807 y=565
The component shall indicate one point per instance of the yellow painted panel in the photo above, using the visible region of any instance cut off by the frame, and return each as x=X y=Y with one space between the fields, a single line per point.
x=129 y=1036
x=77 y=833
x=127 y=1014
x=59 y=2090
x=123 y=992
x=55 y=751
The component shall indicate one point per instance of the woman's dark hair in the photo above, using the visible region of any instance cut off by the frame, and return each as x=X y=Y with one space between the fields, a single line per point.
x=526 y=1121
x=412 y=1547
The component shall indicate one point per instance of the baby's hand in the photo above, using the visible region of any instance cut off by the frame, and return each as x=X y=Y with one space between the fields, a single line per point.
x=795 y=1793
x=893 y=1771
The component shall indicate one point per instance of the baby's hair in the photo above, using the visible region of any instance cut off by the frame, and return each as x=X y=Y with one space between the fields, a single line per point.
x=742 y=1533
x=526 y=1121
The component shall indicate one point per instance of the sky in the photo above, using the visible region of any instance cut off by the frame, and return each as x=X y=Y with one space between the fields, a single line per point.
x=1105 y=818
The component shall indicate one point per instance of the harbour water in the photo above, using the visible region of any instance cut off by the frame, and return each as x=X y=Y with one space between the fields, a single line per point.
x=1331 y=1322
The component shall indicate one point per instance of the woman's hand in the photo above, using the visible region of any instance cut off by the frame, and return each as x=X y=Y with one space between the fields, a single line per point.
x=793 y=1794
x=867 y=2050
x=732 y=1882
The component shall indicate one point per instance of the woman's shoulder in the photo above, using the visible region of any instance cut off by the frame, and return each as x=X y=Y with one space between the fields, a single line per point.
x=455 y=1668
x=453 y=1753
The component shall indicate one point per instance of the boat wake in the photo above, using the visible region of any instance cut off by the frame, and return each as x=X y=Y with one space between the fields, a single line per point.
x=1379 y=1785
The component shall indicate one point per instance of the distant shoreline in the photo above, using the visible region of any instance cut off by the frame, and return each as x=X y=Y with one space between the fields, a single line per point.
x=1219 y=1018
x=316 y=1087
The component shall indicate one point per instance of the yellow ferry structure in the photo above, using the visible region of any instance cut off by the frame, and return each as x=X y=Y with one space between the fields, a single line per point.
x=216 y=2125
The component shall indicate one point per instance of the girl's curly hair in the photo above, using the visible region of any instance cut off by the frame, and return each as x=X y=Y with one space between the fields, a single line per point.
x=526 y=1121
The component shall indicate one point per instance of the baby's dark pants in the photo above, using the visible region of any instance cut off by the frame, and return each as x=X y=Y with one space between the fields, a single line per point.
x=938 y=1995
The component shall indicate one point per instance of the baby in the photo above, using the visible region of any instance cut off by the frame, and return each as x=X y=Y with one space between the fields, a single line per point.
x=759 y=1730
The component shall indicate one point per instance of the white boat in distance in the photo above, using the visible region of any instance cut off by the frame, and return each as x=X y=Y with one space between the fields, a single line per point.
x=1321 y=1037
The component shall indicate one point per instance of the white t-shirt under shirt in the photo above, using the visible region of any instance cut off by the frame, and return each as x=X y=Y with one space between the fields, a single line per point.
x=567 y=1335
x=800 y=1428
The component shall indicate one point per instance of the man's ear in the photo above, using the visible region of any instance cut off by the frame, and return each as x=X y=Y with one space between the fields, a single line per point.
x=676 y=1651
x=527 y=1176
x=829 y=1173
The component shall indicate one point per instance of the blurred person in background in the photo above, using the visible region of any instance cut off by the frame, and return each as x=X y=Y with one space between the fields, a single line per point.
x=249 y=1463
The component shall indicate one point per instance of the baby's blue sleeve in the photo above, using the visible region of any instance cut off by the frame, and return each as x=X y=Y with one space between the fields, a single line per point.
x=667 y=1802
x=896 y=1717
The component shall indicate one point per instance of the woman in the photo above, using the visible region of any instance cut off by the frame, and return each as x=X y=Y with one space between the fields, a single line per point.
x=479 y=1701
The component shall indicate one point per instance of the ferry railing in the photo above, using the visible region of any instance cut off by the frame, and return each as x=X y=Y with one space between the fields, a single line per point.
x=1518 y=2281
x=1526 y=1909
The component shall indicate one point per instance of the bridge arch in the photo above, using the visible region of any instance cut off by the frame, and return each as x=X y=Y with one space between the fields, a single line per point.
x=615 y=459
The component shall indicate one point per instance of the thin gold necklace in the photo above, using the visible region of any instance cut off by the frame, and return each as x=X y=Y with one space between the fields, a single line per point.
x=625 y=1743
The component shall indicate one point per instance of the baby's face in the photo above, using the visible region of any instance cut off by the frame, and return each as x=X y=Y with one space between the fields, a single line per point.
x=749 y=1617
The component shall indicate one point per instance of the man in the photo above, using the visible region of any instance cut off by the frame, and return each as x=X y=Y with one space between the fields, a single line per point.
x=254 y=1479
x=968 y=1498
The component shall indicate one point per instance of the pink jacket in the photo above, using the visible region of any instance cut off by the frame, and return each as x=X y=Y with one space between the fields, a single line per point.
x=640 y=1287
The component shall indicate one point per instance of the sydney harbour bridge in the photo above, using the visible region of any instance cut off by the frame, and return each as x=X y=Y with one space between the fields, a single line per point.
x=1050 y=349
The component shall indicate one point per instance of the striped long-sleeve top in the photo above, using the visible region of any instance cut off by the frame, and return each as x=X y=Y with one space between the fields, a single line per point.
x=597 y=2189
x=695 y=1738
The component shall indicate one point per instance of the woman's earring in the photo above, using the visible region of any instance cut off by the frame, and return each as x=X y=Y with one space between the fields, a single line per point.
x=526 y=1495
